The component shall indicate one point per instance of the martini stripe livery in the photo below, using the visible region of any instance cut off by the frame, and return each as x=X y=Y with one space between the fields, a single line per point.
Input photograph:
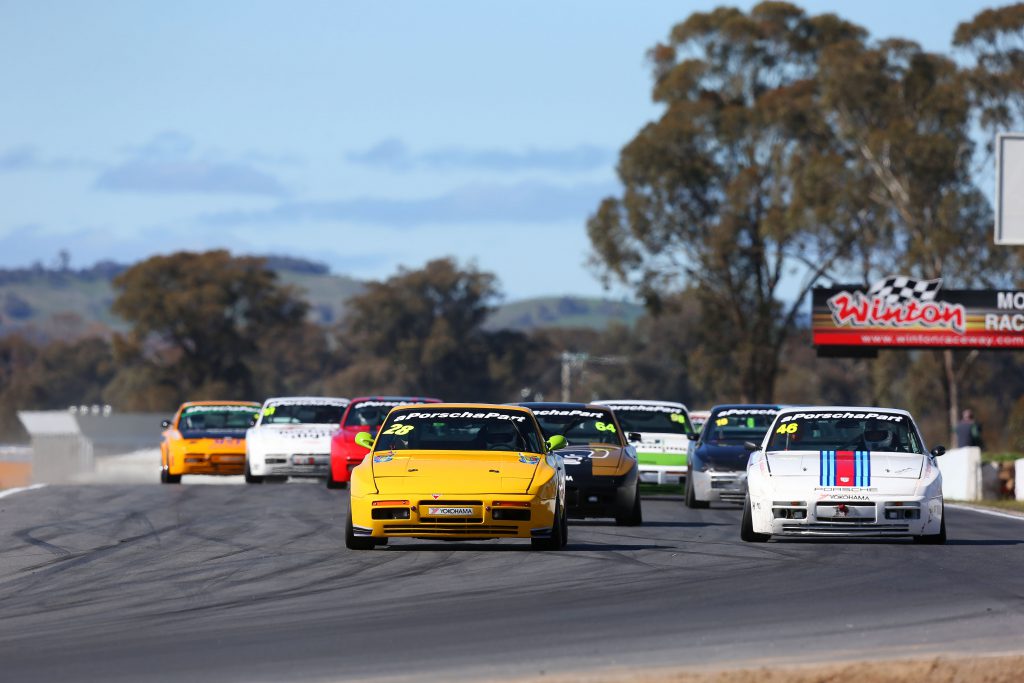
x=844 y=468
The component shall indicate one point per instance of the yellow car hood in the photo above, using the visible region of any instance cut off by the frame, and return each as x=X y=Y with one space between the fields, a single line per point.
x=451 y=472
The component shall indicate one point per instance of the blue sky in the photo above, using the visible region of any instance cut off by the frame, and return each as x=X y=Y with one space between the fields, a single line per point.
x=367 y=135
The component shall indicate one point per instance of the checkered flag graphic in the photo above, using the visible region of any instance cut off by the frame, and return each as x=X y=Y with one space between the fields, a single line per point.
x=899 y=290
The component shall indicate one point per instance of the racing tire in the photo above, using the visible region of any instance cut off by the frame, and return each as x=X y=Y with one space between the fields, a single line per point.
x=251 y=478
x=559 y=534
x=747 y=532
x=352 y=542
x=633 y=516
x=691 y=497
x=168 y=478
x=934 y=539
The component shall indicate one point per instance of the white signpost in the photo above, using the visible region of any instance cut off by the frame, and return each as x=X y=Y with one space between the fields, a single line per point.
x=1009 y=188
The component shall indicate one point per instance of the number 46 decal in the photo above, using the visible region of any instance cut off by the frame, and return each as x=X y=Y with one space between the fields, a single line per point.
x=787 y=429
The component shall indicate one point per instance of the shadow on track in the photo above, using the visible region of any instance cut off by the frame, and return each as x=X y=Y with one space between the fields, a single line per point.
x=611 y=523
x=523 y=547
x=983 y=541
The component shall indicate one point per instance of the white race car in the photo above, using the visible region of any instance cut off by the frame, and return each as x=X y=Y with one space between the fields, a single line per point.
x=292 y=437
x=841 y=471
x=665 y=436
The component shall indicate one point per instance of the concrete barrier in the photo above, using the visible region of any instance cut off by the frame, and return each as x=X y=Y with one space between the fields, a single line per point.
x=1018 y=479
x=961 y=473
x=65 y=444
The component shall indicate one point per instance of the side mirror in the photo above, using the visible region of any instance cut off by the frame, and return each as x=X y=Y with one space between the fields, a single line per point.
x=556 y=442
x=938 y=450
x=253 y=420
x=634 y=437
x=165 y=423
x=693 y=436
x=364 y=439
x=750 y=445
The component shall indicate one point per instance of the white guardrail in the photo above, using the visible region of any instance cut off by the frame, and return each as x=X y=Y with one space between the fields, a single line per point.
x=961 y=473
x=1018 y=479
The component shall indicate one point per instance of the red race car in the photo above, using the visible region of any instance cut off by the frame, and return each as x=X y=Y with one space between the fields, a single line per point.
x=364 y=414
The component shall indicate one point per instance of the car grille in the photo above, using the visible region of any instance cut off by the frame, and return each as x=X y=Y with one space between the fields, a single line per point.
x=449 y=529
x=860 y=528
x=463 y=503
x=456 y=521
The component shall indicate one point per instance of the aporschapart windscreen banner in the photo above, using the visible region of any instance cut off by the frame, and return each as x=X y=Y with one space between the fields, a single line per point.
x=905 y=313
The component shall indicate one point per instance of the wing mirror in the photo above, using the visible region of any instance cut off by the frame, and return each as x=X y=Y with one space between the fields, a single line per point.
x=750 y=446
x=693 y=436
x=364 y=439
x=253 y=420
x=555 y=442
x=634 y=437
x=938 y=450
x=165 y=423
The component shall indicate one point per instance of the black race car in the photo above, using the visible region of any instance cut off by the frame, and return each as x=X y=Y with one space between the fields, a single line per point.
x=602 y=478
x=718 y=465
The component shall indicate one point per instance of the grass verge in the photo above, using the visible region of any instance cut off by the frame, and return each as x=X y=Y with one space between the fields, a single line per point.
x=1011 y=505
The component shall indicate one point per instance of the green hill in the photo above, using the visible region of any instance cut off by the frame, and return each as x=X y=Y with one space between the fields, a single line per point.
x=563 y=311
x=65 y=303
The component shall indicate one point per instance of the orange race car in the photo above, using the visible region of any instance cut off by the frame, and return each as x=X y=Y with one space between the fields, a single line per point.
x=205 y=437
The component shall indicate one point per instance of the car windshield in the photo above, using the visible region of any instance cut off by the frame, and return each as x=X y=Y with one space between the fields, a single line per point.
x=216 y=418
x=469 y=429
x=653 y=419
x=372 y=413
x=579 y=426
x=846 y=431
x=736 y=426
x=303 y=413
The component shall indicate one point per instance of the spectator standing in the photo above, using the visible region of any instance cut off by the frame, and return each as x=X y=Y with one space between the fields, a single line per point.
x=968 y=431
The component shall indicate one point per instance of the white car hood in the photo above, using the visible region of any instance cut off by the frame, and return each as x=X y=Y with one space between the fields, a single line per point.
x=883 y=465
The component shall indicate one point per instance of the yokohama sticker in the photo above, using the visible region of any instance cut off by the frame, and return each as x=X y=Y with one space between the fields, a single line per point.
x=450 y=512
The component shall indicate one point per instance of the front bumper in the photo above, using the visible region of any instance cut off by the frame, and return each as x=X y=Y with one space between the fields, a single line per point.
x=197 y=461
x=663 y=474
x=341 y=466
x=889 y=516
x=410 y=515
x=597 y=496
x=290 y=464
x=714 y=486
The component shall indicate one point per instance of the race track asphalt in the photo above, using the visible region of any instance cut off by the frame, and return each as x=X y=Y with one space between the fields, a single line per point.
x=253 y=583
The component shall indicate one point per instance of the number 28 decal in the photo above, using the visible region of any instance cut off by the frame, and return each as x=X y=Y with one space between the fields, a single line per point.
x=398 y=430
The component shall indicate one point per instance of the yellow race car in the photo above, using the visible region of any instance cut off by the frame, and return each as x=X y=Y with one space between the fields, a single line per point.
x=205 y=437
x=458 y=472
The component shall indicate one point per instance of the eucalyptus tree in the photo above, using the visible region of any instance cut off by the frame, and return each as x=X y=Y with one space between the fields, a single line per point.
x=198 y=324
x=903 y=118
x=733 y=189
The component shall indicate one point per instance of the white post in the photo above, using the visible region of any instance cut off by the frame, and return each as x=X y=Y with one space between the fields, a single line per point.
x=1018 y=479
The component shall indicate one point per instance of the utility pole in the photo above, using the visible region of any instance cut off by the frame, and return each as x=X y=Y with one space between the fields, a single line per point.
x=578 y=360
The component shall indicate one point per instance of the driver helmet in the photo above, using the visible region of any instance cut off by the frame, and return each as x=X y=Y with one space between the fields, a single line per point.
x=878 y=438
x=500 y=434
